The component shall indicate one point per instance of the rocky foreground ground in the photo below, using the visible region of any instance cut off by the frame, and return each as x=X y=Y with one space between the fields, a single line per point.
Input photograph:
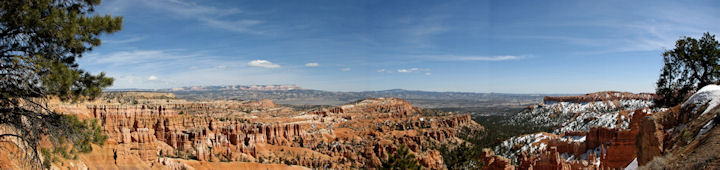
x=156 y=131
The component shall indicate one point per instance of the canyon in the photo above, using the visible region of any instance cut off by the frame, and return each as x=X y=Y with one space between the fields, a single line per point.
x=604 y=130
x=156 y=131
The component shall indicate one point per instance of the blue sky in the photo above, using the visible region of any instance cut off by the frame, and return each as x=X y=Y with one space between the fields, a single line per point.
x=472 y=46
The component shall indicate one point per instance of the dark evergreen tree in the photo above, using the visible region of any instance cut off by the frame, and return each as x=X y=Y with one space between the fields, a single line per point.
x=40 y=41
x=693 y=64
x=402 y=159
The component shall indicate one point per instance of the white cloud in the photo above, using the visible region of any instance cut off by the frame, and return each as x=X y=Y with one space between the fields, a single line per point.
x=152 y=78
x=263 y=64
x=346 y=69
x=221 y=67
x=312 y=64
x=428 y=74
x=410 y=70
x=381 y=71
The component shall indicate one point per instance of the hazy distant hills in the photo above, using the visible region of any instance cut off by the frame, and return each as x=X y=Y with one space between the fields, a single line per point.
x=294 y=95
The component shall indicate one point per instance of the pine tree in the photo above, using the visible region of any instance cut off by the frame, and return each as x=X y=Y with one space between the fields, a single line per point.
x=402 y=159
x=40 y=41
x=693 y=64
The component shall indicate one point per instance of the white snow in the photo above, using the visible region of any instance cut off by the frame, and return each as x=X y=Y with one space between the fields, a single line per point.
x=585 y=156
x=571 y=117
x=562 y=112
x=530 y=144
x=709 y=95
x=633 y=165
x=710 y=124
x=576 y=139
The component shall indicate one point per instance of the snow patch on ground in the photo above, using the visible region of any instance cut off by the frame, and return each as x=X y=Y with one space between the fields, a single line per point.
x=583 y=157
x=709 y=95
x=570 y=117
x=561 y=113
x=710 y=124
x=530 y=144
x=576 y=139
x=633 y=165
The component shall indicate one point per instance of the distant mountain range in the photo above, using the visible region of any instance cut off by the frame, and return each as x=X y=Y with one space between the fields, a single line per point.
x=216 y=88
x=295 y=95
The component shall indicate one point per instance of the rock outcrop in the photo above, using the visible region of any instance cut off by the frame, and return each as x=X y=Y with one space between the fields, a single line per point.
x=685 y=136
x=492 y=161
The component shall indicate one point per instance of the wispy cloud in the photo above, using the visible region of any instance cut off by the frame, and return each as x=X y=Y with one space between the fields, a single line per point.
x=143 y=62
x=263 y=64
x=473 y=58
x=312 y=64
x=649 y=28
x=122 y=41
x=176 y=68
x=138 y=57
x=209 y=15
x=238 y=26
x=346 y=69
x=421 y=29
x=212 y=16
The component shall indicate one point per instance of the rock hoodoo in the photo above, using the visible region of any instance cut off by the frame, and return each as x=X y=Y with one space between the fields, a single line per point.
x=171 y=133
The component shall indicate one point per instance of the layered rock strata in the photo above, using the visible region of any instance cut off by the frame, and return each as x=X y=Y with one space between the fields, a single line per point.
x=360 y=135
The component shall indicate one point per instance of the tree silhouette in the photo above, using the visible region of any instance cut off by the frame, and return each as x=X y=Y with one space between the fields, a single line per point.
x=693 y=64
x=40 y=41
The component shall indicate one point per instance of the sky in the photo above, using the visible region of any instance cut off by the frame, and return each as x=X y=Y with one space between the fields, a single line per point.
x=502 y=46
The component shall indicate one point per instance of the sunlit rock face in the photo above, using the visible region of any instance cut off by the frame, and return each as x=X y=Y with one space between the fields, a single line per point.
x=172 y=133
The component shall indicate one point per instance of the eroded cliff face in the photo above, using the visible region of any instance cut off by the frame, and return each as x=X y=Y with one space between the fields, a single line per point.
x=683 y=137
x=176 y=134
x=612 y=130
x=593 y=131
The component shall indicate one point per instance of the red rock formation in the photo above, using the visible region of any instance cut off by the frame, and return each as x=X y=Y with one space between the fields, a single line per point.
x=357 y=135
x=492 y=161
